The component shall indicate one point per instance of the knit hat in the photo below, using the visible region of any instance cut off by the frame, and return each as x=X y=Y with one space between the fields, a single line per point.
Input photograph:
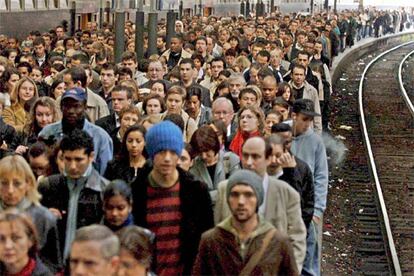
x=248 y=178
x=164 y=136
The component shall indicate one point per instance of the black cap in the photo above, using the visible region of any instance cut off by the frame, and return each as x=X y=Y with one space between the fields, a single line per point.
x=305 y=106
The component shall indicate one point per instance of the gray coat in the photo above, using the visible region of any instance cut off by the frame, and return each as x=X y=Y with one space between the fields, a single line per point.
x=227 y=164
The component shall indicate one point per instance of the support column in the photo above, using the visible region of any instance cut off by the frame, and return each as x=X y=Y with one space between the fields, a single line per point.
x=119 y=35
x=170 y=26
x=139 y=34
x=152 y=33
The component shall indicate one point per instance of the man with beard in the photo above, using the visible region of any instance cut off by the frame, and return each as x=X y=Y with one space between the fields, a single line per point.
x=244 y=243
x=73 y=106
x=281 y=203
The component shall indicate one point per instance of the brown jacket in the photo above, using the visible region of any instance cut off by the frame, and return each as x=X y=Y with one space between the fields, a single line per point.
x=282 y=210
x=220 y=252
x=15 y=116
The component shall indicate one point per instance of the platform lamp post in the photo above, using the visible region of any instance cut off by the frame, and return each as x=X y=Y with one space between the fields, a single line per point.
x=247 y=8
x=180 y=9
x=242 y=7
x=72 y=17
x=361 y=5
x=272 y=6
x=139 y=30
x=334 y=6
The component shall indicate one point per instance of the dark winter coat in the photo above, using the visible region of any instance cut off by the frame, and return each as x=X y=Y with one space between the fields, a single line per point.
x=196 y=208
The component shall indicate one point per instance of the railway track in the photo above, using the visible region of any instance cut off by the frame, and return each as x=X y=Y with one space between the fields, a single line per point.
x=387 y=124
x=357 y=240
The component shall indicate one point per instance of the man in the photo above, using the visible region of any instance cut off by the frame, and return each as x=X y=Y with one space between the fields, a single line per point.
x=222 y=109
x=285 y=166
x=170 y=202
x=121 y=97
x=217 y=65
x=155 y=72
x=201 y=48
x=269 y=88
x=201 y=114
x=75 y=196
x=129 y=60
x=161 y=44
x=60 y=32
x=187 y=69
x=108 y=80
x=245 y=242
x=301 y=89
x=41 y=56
x=309 y=147
x=281 y=204
x=236 y=82
x=96 y=107
x=73 y=105
x=94 y=251
x=176 y=52
x=249 y=96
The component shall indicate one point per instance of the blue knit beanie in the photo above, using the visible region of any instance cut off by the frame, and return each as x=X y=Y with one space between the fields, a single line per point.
x=164 y=136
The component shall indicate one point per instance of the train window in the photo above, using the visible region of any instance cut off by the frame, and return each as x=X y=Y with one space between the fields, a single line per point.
x=15 y=5
x=28 y=4
x=132 y=4
x=40 y=4
x=3 y=5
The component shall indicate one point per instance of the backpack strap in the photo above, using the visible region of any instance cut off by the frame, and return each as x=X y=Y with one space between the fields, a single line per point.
x=255 y=258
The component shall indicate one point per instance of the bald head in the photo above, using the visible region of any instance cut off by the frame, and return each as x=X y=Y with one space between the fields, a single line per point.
x=269 y=87
x=254 y=155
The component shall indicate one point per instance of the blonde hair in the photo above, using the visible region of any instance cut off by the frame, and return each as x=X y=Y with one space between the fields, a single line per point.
x=14 y=96
x=17 y=164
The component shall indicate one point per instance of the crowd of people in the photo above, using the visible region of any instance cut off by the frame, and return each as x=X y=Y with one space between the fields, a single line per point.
x=203 y=159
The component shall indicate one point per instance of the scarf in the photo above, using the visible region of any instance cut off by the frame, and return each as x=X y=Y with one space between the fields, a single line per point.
x=239 y=139
x=27 y=270
x=129 y=221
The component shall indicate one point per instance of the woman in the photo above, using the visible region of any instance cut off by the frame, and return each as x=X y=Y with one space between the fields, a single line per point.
x=211 y=164
x=128 y=116
x=131 y=158
x=186 y=158
x=153 y=105
x=272 y=117
x=235 y=43
x=18 y=190
x=250 y=120
x=285 y=91
x=57 y=88
x=8 y=81
x=23 y=94
x=43 y=112
x=137 y=250
x=117 y=205
x=175 y=101
x=198 y=63
x=19 y=247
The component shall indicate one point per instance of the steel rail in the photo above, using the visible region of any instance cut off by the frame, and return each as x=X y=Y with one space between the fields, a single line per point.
x=402 y=88
x=391 y=244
